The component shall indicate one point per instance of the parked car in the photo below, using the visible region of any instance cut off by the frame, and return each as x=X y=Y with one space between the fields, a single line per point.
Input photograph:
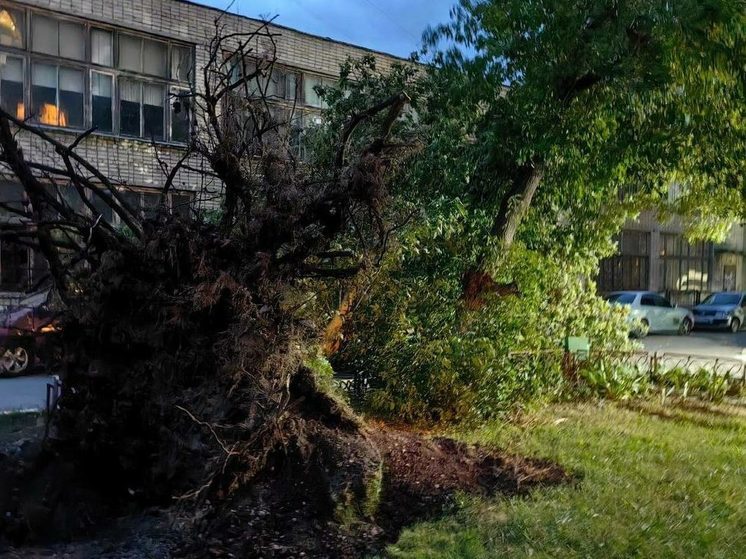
x=721 y=310
x=652 y=313
x=27 y=332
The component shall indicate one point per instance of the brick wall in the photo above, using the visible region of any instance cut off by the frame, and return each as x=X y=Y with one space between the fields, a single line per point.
x=133 y=161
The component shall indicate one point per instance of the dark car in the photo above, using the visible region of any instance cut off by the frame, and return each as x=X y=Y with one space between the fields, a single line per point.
x=27 y=333
x=721 y=310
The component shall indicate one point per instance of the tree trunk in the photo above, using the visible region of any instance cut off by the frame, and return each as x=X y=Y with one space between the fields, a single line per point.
x=516 y=203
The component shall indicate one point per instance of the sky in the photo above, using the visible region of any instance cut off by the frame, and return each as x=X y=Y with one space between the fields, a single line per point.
x=393 y=26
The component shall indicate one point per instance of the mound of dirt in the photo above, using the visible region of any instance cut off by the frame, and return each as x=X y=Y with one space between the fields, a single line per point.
x=286 y=514
x=422 y=475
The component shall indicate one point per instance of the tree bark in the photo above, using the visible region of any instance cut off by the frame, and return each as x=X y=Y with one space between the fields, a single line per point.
x=516 y=203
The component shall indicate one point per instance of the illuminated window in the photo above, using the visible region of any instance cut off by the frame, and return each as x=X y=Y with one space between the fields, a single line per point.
x=11 y=86
x=57 y=95
x=12 y=28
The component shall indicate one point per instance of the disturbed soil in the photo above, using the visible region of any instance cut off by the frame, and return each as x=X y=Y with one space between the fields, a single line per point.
x=284 y=515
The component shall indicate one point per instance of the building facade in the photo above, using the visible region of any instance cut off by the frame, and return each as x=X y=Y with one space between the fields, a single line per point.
x=120 y=65
x=657 y=257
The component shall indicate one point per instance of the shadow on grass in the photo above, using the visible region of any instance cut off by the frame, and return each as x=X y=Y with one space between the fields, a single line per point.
x=697 y=413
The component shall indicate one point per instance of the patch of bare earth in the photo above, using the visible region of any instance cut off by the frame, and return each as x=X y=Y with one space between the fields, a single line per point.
x=286 y=515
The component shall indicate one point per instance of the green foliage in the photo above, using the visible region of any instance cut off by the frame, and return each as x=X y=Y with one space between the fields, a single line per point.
x=434 y=359
x=621 y=98
x=608 y=97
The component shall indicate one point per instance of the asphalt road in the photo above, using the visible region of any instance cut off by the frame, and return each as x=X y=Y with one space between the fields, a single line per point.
x=29 y=393
x=721 y=345
x=23 y=393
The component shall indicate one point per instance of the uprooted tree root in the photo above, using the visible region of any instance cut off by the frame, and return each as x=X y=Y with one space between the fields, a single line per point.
x=287 y=511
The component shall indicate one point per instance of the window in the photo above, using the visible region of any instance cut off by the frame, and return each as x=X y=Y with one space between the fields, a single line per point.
x=57 y=95
x=142 y=55
x=311 y=97
x=102 y=208
x=647 y=301
x=181 y=63
x=130 y=55
x=661 y=302
x=102 y=99
x=181 y=205
x=70 y=197
x=12 y=197
x=180 y=115
x=71 y=96
x=11 y=86
x=57 y=38
x=14 y=267
x=141 y=109
x=120 y=83
x=153 y=111
x=12 y=28
x=621 y=298
x=130 y=93
x=150 y=203
x=102 y=47
x=154 y=58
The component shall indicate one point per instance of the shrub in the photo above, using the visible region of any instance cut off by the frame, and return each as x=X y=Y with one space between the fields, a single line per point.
x=431 y=358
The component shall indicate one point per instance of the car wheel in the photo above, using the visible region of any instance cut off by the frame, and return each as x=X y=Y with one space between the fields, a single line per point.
x=644 y=329
x=15 y=361
x=686 y=327
x=735 y=325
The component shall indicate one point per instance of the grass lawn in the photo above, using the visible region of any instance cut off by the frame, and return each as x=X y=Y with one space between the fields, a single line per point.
x=655 y=482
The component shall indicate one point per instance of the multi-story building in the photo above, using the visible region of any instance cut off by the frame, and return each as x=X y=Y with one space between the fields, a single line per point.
x=656 y=256
x=120 y=65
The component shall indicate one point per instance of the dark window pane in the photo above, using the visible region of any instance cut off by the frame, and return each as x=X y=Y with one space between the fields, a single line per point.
x=14 y=267
x=180 y=118
x=130 y=95
x=151 y=202
x=71 y=98
x=72 y=199
x=181 y=205
x=102 y=208
x=130 y=118
x=101 y=92
x=11 y=195
x=132 y=199
x=152 y=111
x=153 y=119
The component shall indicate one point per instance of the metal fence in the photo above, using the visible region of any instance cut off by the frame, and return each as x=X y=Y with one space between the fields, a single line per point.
x=659 y=367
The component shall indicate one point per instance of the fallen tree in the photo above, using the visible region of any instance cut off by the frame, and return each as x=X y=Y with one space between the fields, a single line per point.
x=184 y=340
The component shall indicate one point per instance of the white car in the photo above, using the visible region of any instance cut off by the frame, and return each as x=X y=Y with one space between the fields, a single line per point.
x=651 y=313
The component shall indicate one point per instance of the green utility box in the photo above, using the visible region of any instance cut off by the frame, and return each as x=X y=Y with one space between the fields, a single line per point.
x=580 y=348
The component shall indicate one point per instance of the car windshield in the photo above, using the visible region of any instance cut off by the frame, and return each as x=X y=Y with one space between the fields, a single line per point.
x=621 y=298
x=723 y=299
